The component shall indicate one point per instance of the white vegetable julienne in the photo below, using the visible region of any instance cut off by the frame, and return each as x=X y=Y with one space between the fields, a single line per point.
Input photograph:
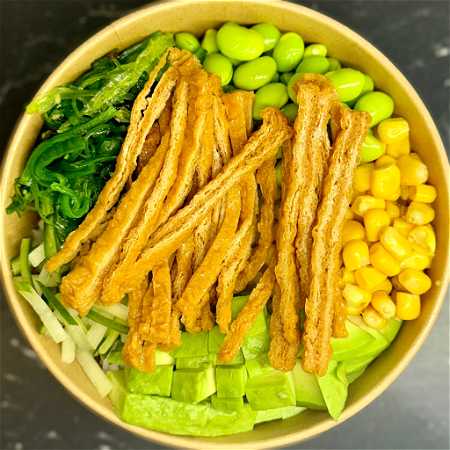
x=119 y=310
x=96 y=334
x=94 y=372
x=77 y=334
x=68 y=349
x=48 y=279
x=37 y=255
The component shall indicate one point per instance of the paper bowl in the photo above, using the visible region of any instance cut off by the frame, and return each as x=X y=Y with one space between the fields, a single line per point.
x=351 y=50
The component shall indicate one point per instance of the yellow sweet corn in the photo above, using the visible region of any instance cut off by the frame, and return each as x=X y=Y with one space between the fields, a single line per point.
x=355 y=195
x=393 y=210
x=414 y=281
x=384 y=160
x=350 y=214
x=397 y=285
x=415 y=156
x=396 y=244
x=408 y=306
x=347 y=276
x=385 y=181
x=383 y=261
x=355 y=254
x=368 y=278
x=352 y=311
x=404 y=193
x=372 y=318
x=418 y=261
x=398 y=149
x=424 y=193
x=383 y=304
x=356 y=297
x=352 y=230
x=364 y=203
x=393 y=130
x=374 y=221
x=385 y=286
x=419 y=213
x=395 y=196
x=413 y=171
x=403 y=227
x=361 y=179
x=423 y=239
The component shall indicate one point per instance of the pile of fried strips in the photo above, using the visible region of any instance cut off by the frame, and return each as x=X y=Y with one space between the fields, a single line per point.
x=191 y=216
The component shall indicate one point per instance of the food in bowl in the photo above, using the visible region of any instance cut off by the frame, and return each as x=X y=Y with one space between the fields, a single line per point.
x=194 y=200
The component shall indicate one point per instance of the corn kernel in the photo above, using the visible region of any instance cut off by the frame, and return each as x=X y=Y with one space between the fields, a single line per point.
x=393 y=210
x=352 y=311
x=369 y=278
x=384 y=160
x=356 y=297
x=385 y=286
x=423 y=239
x=417 y=261
x=393 y=130
x=403 y=209
x=395 y=196
x=364 y=203
x=403 y=227
x=355 y=255
x=355 y=195
x=347 y=276
x=374 y=221
x=397 y=285
x=383 y=304
x=424 y=193
x=350 y=214
x=404 y=193
x=419 y=213
x=413 y=171
x=383 y=261
x=385 y=181
x=408 y=306
x=361 y=179
x=352 y=230
x=398 y=149
x=414 y=281
x=396 y=244
x=415 y=156
x=372 y=318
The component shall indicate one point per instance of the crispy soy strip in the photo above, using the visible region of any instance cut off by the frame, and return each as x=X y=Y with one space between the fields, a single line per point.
x=221 y=130
x=82 y=286
x=327 y=233
x=246 y=318
x=126 y=161
x=150 y=146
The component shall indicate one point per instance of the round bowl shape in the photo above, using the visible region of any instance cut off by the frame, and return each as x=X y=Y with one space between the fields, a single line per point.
x=351 y=50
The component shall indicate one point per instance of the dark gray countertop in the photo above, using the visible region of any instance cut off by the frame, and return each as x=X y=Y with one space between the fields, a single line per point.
x=36 y=411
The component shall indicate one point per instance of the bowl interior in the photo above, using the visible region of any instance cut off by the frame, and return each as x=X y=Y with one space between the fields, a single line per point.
x=351 y=50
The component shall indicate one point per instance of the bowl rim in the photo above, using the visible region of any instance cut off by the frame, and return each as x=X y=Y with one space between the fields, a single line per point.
x=188 y=441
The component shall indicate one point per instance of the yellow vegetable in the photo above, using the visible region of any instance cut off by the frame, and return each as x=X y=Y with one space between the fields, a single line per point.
x=383 y=304
x=368 y=278
x=355 y=255
x=398 y=149
x=352 y=230
x=384 y=160
x=356 y=297
x=372 y=318
x=374 y=221
x=347 y=276
x=361 y=179
x=414 y=281
x=393 y=130
x=418 y=261
x=413 y=171
x=350 y=214
x=352 y=311
x=423 y=239
x=396 y=244
x=403 y=227
x=393 y=210
x=355 y=195
x=364 y=203
x=395 y=196
x=397 y=285
x=385 y=181
x=419 y=213
x=408 y=306
x=404 y=192
x=424 y=193
x=385 y=286
x=383 y=261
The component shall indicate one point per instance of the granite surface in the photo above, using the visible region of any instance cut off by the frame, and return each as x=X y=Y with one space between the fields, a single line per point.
x=36 y=411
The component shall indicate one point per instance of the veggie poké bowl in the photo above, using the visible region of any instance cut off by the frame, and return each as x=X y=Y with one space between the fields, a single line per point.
x=267 y=393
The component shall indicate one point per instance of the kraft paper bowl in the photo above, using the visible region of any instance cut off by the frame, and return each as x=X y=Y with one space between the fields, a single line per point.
x=351 y=50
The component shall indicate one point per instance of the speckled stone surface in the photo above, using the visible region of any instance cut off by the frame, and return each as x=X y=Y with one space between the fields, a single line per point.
x=36 y=411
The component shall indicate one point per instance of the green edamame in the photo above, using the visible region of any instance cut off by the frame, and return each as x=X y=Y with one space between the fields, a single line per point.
x=291 y=83
x=270 y=33
x=290 y=110
x=344 y=105
x=315 y=50
x=273 y=94
x=285 y=77
x=371 y=149
x=334 y=64
x=209 y=41
x=348 y=83
x=240 y=43
x=314 y=64
x=187 y=41
x=378 y=104
x=220 y=65
x=288 y=52
x=371 y=131
x=235 y=62
x=278 y=173
x=228 y=88
x=254 y=74
x=276 y=78
x=368 y=87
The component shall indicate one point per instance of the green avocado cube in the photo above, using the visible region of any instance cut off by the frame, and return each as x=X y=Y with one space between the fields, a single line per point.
x=260 y=324
x=196 y=362
x=158 y=382
x=231 y=381
x=115 y=357
x=334 y=387
x=118 y=391
x=356 y=341
x=290 y=411
x=193 y=385
x=258 y=366
x=307 y=389
x=351 y=377
x=272 y=390
x=215 y=341
x=256 y=345
x=191 y=345
x=164 y=359
x=279 y=413
x=360 y=362
x=392 y=327
x=227 y=404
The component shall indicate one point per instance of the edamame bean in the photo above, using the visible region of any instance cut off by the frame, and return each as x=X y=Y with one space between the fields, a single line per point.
x=285 y=77
x=288 y=52
x=334 y=64
x=278 y=173
x=254 y=74
x=316 y=50
x=240 y=43
x=371 y=149
x=371 y=131
x=187 y=41
x=348 y=83
x=314 y=64
x=209 y=41
x=276 y=78
x=270 y=34
x=368 y=87
x=378 y=104
x=344 y=105
x=274 y=94
x=235 y=62
x=291 y=111
x=220 y=65
x=291 y=83
x=228 y=88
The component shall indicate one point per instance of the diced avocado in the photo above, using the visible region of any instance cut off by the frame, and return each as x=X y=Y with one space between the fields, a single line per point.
x=260 y=324
x=360 y=362
x=334 y=388
x=164 y=359
x=290 y=411
x=307 y=389
x=196 y=362
x=392 y=327
x=193 y=385
x=353 y=345
x=279 y=413
x=258 y=366
x=231 y=381
x=118 y=391
x=271 y=390
x=228 y=404
x=191 y=345
x=115 y=357
x=157 y=383
x=239 y=359
x=256 y=345
x=351 y=377
x=221 y=424
x=215 y=341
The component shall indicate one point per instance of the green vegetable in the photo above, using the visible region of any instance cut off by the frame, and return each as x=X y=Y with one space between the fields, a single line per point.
x=286 y=76
x=151 y=383
x=276 y=78
x=258 y=366
x=291 y=111
x=111 y=324
x=209 y=41
x=48 y=294
x=270 y=34
x=255 y=74
x=227 y=405
x=193 y=386
x=315 y=50
x=51 y=243
x=220 y=65
x=231 y=381
x=371 y=149
x=314 y=64
x=278 y=169
x=378 y=104
x=15 y=265
x=288 y=52
x=240 y=43
x=348 y=83
x=274 y=94
x=229 y=88
x=187 y=41
x=367 y=87
x=334 y=64
x=25 y=268
x=192 y=345
x=292 y=81
x=235 y=62
x=356 y=341
x=196 y=362
x=307 y=390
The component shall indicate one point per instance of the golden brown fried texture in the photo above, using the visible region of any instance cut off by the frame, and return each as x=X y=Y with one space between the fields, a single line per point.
x=221 y=133
x=150 y=146
x=324 y=291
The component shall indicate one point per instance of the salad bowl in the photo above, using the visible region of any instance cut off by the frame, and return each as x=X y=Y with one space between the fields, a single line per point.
x=351 y=50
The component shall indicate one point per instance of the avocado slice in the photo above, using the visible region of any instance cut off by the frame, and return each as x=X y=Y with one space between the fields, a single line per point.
x=227 y=404
x=356 y=341
x=118 y=391
x=272 y=390
x=158 y=382
x=351 y=377
x=164 y=359
x=279 y=413
x=191 y=345
x=193 y=385
x=307 y=389
x=256 y=345
x=258 y=366
x=215 y=341
x=392 y=327
x=196 y=362
x=260 y=324
x=231 y=381
x=290 y=411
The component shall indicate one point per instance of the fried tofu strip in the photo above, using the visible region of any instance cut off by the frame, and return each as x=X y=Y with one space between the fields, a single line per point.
x=327 y=234
x=151 y=144
x=221 y=132
x=126 y=161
